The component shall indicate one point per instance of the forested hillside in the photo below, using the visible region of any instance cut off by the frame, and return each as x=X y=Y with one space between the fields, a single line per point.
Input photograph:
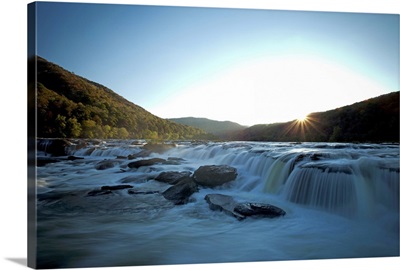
x=222 y=129
x=372 y=120
x=71 y=106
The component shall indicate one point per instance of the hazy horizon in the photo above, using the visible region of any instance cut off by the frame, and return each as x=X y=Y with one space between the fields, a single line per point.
x=248 y=66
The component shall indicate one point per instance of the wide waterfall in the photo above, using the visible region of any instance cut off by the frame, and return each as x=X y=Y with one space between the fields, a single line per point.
x=341 y=201
x=348 y=179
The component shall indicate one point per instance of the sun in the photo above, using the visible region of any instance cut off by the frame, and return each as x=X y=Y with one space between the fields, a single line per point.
x=302 y=118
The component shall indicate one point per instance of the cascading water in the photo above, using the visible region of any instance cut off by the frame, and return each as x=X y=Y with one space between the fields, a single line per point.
x=342 y=200
x=349 y=180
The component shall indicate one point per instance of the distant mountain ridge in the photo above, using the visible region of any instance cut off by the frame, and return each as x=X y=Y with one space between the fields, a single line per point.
x=71 y=106
x=372 y=120
x=221 y=129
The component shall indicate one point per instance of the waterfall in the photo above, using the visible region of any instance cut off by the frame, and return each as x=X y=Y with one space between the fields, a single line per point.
x=324 y=188
x=346 y=179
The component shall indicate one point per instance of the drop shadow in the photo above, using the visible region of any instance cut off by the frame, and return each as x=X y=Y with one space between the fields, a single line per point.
x=20 y=261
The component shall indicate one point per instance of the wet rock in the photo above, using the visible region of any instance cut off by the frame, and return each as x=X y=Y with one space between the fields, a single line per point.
x=80 y=144
x=90 y=151
x=174 y=161
x=94 y=141
x=224 y=203
x=116 y=187
x=316 y=156
x=134 y=191
x=141 y=154
x=105 y=164
x=98 y=192
x=146 y=162
x=214 y=175
x=259 y=209
x=172 y=177
x=104 y=190
x=240 y=211
x=180 y=193
x=74 y=158
x=329 y=167
x=158 y=147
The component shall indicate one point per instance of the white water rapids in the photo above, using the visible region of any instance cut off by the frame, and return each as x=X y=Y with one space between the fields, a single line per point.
x=341 y=201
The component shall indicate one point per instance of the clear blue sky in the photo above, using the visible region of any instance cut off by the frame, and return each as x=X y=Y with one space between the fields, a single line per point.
x=247 y=66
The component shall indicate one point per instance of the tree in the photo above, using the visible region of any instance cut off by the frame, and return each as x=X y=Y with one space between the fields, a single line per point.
x=123 y=133
x=88 y=127
x=61 y=124
x=74 y=128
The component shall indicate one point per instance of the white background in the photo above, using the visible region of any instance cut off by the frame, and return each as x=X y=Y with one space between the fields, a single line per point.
x=13 y=238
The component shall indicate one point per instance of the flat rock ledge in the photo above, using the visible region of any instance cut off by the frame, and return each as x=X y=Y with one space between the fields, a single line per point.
x=214 y=175
x=104 y=190
x=172 y=177
x=146 y=162
x=240 y=211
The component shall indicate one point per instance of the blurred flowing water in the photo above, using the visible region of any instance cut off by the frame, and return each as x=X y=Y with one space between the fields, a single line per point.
x=341 y=200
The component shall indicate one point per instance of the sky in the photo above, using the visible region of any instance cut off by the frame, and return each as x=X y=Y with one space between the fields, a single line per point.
x=250 y=66
x=13 y=27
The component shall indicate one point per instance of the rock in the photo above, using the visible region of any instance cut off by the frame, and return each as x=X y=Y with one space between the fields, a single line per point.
x=150 y=148
x=74 y=158
x=90 y=151
x=223 y=203
x=146 y=162
x=180 y=193
x=174 y=161
x=158 y=147
x=133 y=191
x=240 y=211
x=105 y=164
x=55 y=147
x=104 y=190
x=259 y=209
x=81 y=144
x=214 y=175
x=117 y=187
x=98 y=192
x=141 y=154
x=172 y=178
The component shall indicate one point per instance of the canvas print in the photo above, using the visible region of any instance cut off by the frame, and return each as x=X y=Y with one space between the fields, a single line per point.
x=164 y=135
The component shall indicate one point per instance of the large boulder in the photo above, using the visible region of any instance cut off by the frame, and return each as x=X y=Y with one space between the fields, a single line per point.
x=180 y=193
x=240 y=211
x=224 y=203
x=146 y=162
x=214 y=175
x=172 y=177
x=259 y=209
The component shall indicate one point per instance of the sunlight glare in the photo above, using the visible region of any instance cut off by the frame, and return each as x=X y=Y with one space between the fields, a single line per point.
x=270 y=90
x=302 y=118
